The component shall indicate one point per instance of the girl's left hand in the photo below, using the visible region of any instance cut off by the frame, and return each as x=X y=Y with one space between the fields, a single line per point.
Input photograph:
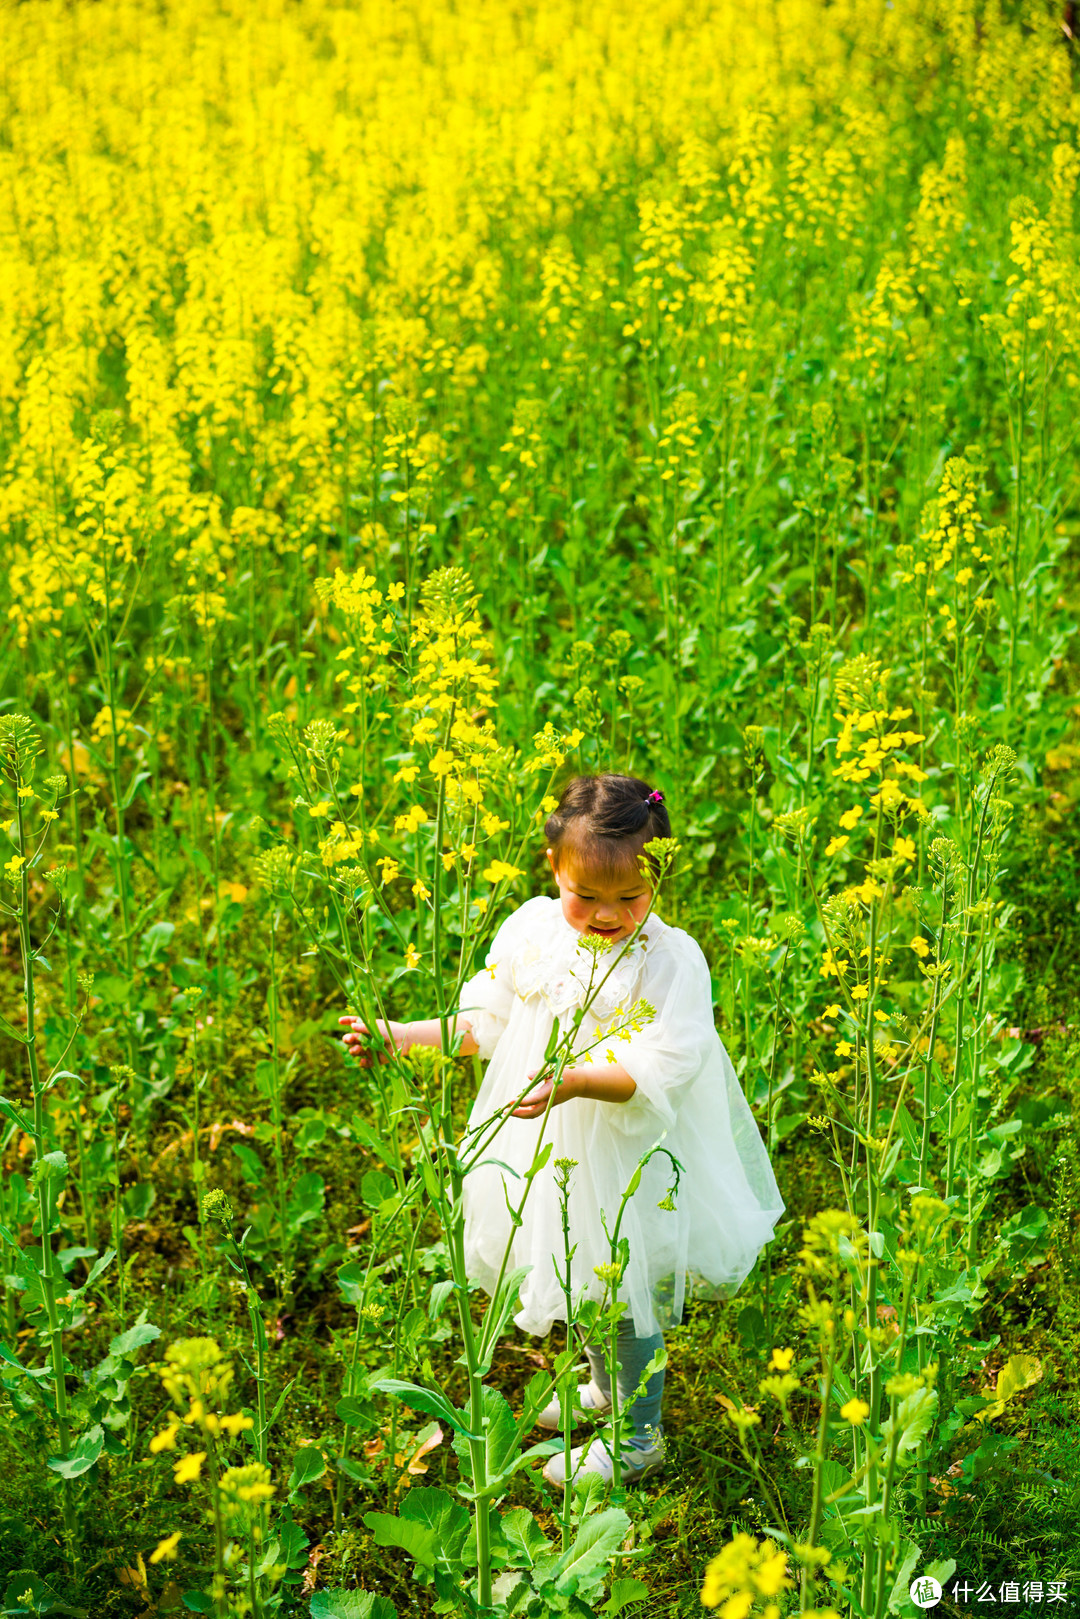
x=535 y=1104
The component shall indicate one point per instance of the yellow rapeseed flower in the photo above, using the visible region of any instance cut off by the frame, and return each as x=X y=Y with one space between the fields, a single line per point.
x=189 y=1468
x=499 y=871
x=165 y=1550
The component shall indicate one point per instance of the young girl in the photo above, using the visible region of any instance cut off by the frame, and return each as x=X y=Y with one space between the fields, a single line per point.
x=672 y=1079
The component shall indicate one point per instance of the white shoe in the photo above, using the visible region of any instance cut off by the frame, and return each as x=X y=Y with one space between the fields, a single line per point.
x=590 y=1397
x=638 y=1461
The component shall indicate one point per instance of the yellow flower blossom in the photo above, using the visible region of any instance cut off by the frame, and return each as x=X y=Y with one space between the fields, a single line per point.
x=188 y=1468
x=855 y=1412
x=237 y=1423
x=165 y=1550
x=499 y=871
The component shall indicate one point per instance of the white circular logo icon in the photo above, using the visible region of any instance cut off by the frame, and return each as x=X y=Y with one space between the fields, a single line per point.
x=925 y=1592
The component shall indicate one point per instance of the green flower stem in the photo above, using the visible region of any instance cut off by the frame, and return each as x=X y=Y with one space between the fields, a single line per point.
x=277 y=1117
x=566 y=1392
x=809 y=1572
x=118 y=1213
x=883 y=1584
x=455 y=1231
x=220 y=1581
x=46 y=1202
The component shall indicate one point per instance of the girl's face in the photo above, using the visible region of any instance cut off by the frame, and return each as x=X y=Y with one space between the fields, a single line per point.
x=610 y=908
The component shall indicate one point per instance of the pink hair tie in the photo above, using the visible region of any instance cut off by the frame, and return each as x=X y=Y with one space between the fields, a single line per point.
x=655 y=798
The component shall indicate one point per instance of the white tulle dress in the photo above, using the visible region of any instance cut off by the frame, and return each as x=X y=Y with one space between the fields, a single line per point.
x=687 y=1093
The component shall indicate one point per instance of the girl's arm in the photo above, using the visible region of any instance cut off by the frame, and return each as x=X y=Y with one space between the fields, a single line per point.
x=403 y=1035
x=599 y=1082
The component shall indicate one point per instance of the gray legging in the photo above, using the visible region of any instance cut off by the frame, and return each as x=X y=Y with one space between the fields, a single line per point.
x=634 y=1355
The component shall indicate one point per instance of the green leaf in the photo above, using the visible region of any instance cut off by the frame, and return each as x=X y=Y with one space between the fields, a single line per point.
x=51 y=1166
x=101 y=1265
x=447 y=1518
x=499 y=1313
x=350 y=1279
x=500 y=1438
x=308 y=1465
x=10 y=1111
x=418 y=1540
x=197 y=1602
x=596 y=1541
x=351 y=1605
x=899 y=1592
x=547 y=1447
x=431 y=1528
x=524 y=1536
x=538 y=1391
x=355 y=1412
x=1019 y=1372
x=66 y=1257
x=136 y=783
x=23 y=1582
x=540 y=1162
x=291 y=1539
x=375 y=1188
x=751 y=1327
x=82 y=1458
x=251 y=1164
x=280 y=1405
x=306 y=1203
x=437 y=1298
x=588 y=1491
x=623 y=1592
x=138 y=1200
x=125 y=1343
x=427 y=1400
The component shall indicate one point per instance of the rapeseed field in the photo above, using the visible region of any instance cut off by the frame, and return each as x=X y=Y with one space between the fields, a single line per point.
x=407 y=407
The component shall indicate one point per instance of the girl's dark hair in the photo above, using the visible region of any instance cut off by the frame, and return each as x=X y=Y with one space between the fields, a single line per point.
x=606 y=821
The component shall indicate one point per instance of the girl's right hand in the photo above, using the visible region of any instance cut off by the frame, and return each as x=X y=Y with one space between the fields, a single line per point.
x=357 y=1039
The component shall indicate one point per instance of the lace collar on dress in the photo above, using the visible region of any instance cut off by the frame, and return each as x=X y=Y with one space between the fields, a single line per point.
x=559 y=970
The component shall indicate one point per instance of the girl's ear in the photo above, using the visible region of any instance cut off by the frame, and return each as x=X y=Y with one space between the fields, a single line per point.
x=553 y=863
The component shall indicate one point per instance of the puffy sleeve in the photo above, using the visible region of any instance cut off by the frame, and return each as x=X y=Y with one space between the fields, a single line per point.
x=487 y=997
x=670 y=1052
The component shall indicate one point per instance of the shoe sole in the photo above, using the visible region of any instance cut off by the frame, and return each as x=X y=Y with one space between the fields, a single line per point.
x=634 y=1477
x=553 y=1427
